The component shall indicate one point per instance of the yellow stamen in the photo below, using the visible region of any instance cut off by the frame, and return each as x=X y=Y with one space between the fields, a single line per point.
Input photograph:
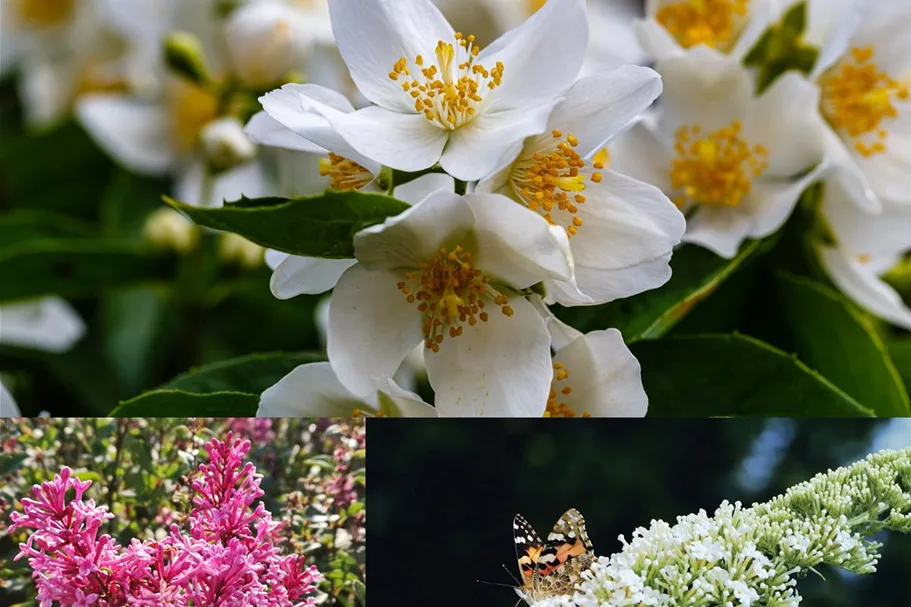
x=717 y=169
x=550 y=181
x=554 y=407
x=45 y=13
x=450 y=291
x=346 y=174
x=715 y=23
x=449 y=90
x=857 y=98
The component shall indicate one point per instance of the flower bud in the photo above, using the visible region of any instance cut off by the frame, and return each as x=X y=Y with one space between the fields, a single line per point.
x=185 y=56
x=225 y=145
x=168 y=229
x=266 y=40
x=237 y=249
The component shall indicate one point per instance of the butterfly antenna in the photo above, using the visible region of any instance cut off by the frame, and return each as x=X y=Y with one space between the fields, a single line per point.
x=518 y=583
x=495 y=584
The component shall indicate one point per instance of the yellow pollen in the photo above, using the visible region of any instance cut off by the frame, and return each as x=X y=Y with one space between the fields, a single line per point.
x=450 y=88
x=715 y=23
x=346 y=174
x=191 y=107
x=551 y=180
x=45 y=13
x=717 y=169
x=555 y=408
x=864 y=258
x=857 y=98
x=450 y=292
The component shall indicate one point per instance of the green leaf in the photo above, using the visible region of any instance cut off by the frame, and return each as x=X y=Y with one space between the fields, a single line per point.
x=251 y=374
x=900 y=349
x=734 y=375
x=315 y=226
x=177 y=403
x=75 y=267
x=831 y=335
x=27 y=225
x=697 y=273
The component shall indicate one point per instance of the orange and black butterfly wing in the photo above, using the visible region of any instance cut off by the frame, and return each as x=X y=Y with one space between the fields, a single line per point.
x=567 y=540
x=528 y=548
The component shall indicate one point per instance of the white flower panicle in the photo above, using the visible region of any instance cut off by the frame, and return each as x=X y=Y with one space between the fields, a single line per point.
x=751 y=556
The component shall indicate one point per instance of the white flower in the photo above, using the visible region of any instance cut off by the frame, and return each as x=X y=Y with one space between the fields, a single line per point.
x=224 y=143
x=438 y=98
x=48 y=324
x=863 y=75
x=268 y=39
x=595 y=374
x=729 y=26
x=449 y=271
x=736 y=164
x=621 y=231
x=867 y=246
x=61 y=49
x=314 y=390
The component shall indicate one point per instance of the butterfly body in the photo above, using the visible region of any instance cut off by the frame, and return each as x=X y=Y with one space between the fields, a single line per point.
x=552 y=567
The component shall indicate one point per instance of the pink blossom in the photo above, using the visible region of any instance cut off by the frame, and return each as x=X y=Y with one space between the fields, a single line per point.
x=227 y=554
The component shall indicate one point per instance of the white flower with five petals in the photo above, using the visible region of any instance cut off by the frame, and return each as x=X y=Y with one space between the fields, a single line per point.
x=735 y=163
x=621 y=231
x=439 y=99
x=450 y=272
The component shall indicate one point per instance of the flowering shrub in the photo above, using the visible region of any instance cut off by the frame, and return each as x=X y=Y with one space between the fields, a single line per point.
x=751 y=556
x=217 y=543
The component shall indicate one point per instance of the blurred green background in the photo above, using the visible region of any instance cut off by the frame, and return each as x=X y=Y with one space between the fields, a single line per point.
x=443 y=496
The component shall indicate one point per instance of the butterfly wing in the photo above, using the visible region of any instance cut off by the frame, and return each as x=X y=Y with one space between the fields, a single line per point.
x=528 y=548
x=567 y=540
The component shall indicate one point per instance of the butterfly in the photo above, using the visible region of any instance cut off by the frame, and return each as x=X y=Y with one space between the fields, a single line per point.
x=552 y=568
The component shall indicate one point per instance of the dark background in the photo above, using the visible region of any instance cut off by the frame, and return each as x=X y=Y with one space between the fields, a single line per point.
x=443 y=495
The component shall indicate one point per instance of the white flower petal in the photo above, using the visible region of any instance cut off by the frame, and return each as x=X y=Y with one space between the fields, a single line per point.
x=859 y=283
x=274 y=258
x=598 y=107
x=655 y=39
x=541 y=57
x=561 y=334
x=498 y=368
x=248 y=179
x=886 y=234
x=48 y=324
x=889 y=173
x=306 y=275
x=371 y=328
x=849 y=172
x=517 y=245
x=786 y=120
x=829 y=28
x=601 y=286
x=47 y=88
x=884 y=26
x=134 y=133
x=604 y=376
x=704 y=87
x=771 y=203
x=266 y=130
x=482 y=146
x=408 y=142
x=416 y=235
x=721 y=230
x=643 y=154
x=625 y=222
x=8 y=406
x=761 y=15
x=397 y=402
x=416 y=191
x=372 y=35
x=309 y=390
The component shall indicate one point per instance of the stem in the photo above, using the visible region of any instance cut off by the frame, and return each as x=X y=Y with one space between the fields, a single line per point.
x=401 y=177
x=461 y=187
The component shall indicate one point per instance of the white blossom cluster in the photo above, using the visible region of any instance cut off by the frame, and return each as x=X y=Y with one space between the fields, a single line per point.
x=742 y=557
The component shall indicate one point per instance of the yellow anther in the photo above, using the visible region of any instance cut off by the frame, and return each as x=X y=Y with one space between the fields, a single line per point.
x=190 y=107
x=717 y=169
x=551 y=180
x=555 y=408
x=345 y=174
x=857 y=98
x=449 y=292
x=44 y=13
x=715 y=23
x=448 y=91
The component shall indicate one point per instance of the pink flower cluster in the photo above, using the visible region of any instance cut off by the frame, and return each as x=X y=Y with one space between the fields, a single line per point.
x=226 y=556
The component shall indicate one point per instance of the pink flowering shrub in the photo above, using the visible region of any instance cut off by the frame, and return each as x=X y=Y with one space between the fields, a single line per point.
x=228 y=552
